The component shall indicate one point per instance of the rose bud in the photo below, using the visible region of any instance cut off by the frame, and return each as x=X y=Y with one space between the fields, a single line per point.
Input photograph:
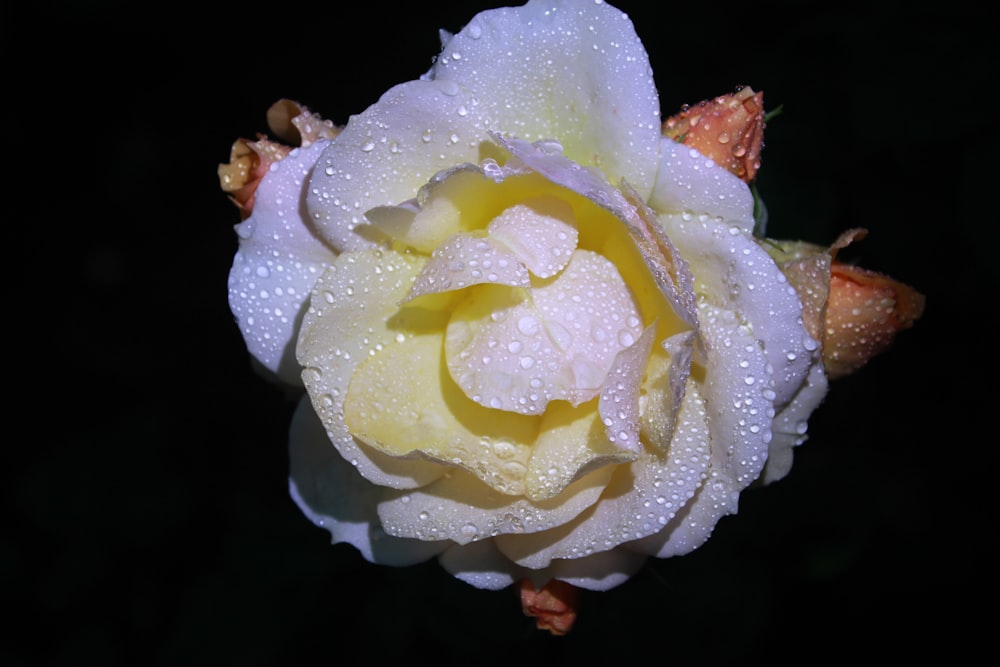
x=729 y=129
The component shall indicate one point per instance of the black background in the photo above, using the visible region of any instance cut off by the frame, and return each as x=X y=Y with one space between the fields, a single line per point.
x=146 y=518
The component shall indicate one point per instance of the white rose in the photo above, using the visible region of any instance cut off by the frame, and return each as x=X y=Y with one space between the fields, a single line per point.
x=537 y=338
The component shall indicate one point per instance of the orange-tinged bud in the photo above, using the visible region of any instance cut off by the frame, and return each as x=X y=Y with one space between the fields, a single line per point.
x=249 y=160
x=855 y=313
x=729 y=129
x=295 y=124
x=864 y=313
x=553 y=606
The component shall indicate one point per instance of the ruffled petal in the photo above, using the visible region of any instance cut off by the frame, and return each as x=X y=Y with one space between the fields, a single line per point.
x=668 y=269
x=468 y=259
x=402 y=402
x=481 y=565
x=619 y=401
x=600 y=571
x=688 y=182
x=460 y=507
x=664 y=390
x=791 y=424
x=278 y=260
x=575 y=71
x=540 y=231
x=641 y=499
x=353 y=311
x=332 y=494
x=739 y=411
x=557 y=345
x=735 y=273
x=385 y=154
x=570 y=440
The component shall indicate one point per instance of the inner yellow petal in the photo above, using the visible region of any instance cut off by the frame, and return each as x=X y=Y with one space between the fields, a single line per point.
x=541 y=232
x=572 y=442
x=402 y=401
x=558 y=344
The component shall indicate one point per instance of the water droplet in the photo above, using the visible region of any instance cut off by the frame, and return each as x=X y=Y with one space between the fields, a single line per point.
x=528 y=325
x=513 y=470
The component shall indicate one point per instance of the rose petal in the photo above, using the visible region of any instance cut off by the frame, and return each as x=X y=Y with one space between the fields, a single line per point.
x=735 y=273
x=639 y=501
x=481 y=565
x=470 y=259
x=669 y=270
x=570 y=440
x=619 y=401
x=600 y=571
x=386 y=153
x=332 y=494
x=737 y=387
x=791 y=424
x=664 y=388
x=557 y=346
x=460 y=507
x=573 y=71
x=351 y=313
x=402 y=402
x=688 y=182
x=540 y=231
x=451 y=202
x=276 y=265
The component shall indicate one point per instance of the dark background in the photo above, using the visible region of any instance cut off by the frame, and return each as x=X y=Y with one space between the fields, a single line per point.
x=146 y=518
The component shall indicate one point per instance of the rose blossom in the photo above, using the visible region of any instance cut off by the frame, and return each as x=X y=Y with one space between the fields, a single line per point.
x=537 y=337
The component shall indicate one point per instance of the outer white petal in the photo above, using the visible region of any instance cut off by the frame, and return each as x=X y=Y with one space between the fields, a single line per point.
x=739 y=413
x=332 y=494
x=481 y=565
x=732 y=271
x=598 y=572
x=460 y=507
x=570 y=70
x=688 y=182
x=791 y=424
x=385 y=154
x=278 y=260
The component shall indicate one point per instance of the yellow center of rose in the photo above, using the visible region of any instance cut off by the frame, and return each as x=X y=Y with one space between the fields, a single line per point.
x=524 y=342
